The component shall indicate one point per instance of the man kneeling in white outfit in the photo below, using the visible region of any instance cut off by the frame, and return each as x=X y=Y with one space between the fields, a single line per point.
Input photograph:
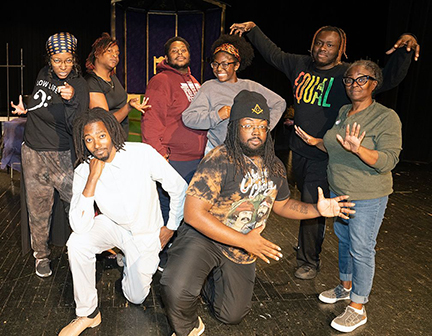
x=120 y=177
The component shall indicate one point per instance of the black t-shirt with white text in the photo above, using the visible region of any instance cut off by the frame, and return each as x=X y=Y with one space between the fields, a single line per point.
x=49 y=116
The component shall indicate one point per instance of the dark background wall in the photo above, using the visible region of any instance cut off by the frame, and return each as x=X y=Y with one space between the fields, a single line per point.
x=371 y=27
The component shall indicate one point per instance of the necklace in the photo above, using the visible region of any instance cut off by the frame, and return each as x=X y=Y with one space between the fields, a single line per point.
x=110 y=83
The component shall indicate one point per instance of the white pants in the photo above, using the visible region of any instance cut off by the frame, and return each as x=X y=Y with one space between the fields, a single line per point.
x=141 y=261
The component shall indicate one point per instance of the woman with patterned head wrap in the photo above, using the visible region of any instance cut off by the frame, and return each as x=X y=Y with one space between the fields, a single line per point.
x=211 y=107
x=59 y=95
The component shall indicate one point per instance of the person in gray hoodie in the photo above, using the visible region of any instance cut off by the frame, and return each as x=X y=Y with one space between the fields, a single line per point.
x=210 y=109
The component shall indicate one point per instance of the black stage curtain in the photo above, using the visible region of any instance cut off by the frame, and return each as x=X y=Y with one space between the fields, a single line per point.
x=410 y=98
x=371 y=27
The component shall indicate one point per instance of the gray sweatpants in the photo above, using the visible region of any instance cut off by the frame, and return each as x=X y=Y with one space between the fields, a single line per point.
x=43 y=172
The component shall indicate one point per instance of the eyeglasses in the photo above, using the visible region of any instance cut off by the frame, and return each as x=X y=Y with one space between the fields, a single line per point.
x=58 y=62
x=362 y=80
x=224 y=65
x=250 y=128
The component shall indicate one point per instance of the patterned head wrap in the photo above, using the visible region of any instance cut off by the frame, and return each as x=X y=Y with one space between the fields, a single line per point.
x=228 y=48
x=61 y=43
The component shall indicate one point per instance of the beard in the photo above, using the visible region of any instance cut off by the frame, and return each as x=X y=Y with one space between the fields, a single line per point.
x=102 y=157
x=178 y=67
x=251 y=152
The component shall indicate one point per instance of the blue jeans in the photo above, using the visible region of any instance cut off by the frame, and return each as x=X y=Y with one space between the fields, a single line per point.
x=357 y=240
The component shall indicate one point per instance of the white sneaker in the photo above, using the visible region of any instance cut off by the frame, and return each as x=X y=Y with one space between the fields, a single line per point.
x=335 y=294
x=349 y=320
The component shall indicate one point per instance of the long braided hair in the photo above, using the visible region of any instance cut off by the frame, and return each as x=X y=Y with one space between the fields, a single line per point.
x=342 y=36
x=115 y=130
x=236 y=156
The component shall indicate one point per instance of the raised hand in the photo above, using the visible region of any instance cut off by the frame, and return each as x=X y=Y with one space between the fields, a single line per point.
x=142 y=107
x=66 y=91
x=19 y=109
x=261 y=247
x=409 y=42
x=352 y=139
x=241 y=28
x=332 y=207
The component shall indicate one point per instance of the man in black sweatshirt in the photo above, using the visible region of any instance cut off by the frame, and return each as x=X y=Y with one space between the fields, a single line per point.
x=318 y=95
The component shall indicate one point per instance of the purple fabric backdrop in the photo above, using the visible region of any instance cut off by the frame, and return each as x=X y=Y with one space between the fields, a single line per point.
x=161 y=27
x=136 y=52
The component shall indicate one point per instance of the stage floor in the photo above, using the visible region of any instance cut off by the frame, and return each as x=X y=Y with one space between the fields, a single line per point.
x=400 y=302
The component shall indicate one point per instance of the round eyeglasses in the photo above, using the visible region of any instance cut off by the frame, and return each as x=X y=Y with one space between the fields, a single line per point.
x=362 y=80
x=58 y=62
x=223 y=65
x=250 y=128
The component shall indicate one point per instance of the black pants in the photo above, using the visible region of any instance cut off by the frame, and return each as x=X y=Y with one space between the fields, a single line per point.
x=309 y=175
x=186 y=169
x=196 y=265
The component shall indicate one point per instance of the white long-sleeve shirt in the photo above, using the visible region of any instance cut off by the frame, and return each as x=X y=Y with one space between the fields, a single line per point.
x=126 y=192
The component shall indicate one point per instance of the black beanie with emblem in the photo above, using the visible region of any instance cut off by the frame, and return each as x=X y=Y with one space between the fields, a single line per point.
x=250 y=104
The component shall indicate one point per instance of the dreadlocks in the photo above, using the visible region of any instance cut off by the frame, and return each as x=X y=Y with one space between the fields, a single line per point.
x=96 y=114
x=342 y=36
x=236 y=156
x=98 y=48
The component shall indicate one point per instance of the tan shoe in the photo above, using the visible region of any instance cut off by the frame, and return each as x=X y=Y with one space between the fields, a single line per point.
x=78 y=325
x=196 y=331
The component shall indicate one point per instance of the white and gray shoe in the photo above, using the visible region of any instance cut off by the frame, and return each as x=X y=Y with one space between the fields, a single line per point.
x=335 y=294
x=349 y=320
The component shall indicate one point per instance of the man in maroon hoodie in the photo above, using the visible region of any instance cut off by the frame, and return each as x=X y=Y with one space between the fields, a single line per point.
x=170 y=92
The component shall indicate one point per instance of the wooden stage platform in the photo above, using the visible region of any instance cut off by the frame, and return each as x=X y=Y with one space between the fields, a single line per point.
x=400 y=302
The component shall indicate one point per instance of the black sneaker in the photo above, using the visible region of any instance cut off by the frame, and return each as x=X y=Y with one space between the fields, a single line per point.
x=43 y=268
x=306 y=272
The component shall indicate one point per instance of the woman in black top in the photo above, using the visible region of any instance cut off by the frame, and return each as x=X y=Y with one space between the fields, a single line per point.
x=105 y=89
x=59 y=95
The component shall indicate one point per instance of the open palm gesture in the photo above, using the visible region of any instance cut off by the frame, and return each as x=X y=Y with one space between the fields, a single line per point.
x=332 y=207
x=353 y=138
x=142 y=107
x=19 y=109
